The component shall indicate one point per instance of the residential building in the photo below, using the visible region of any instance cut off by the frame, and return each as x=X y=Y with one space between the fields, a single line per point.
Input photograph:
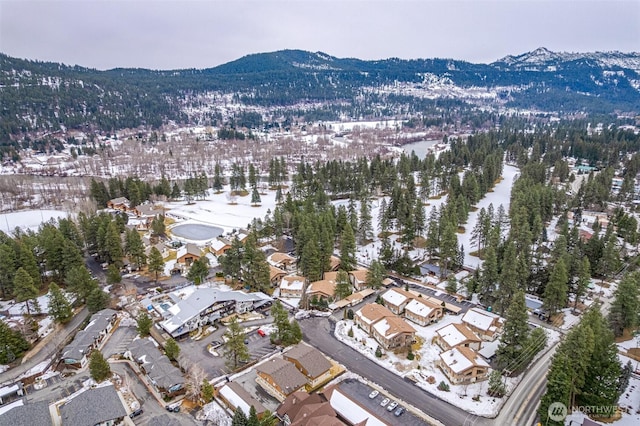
x=76 y=354
x=485 y=324
x=219 y=246
x=369 y=314
x=188 y=254
x=292 y=286
x=393 y=333
x=282 y=261
x=235 y=396
x=351 y=410
x=95 y=406
x=463 y=365
x=205 y=305
x=358 y=279
x=322 y=290
x=303 y=409
x=310 y=362
x=166 y=378
x=120 y=203
x=18 y=413
x=279 y=378
x=423 y=311
x=454 y=335
x=334 y=263
x=396 y=299
x=275 y=275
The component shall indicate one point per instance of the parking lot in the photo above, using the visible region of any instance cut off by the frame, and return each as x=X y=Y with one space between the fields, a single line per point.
x=360 y=393
x=119 y=341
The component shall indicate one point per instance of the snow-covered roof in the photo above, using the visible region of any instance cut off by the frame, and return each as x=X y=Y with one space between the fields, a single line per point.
x=454 y=334
x=390 y=327
x=238 y=397
x=394 y=297
x=480 y=319
x=292 y=282
x=420 y=307
x=353 y=412
x=373 y=312
x=218 y=244
x=461 y=359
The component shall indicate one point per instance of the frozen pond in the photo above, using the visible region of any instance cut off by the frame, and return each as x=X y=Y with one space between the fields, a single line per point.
x=27 y=219
x=420 y=148
x=196 y=231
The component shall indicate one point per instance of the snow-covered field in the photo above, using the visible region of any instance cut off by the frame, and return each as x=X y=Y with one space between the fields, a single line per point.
x=28 y=219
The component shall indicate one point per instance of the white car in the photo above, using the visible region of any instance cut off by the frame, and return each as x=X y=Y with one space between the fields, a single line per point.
x=392 y=406
x=384 y=402
x=374 y=394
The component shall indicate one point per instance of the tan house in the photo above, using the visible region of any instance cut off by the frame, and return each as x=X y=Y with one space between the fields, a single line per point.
x=358 y=279
x=235 y=396
x=455 y=335
x=292 y=286
x=423 y=311
x=279 y=378
x=219 y=246
x=369 y=314
x=323 y=289
x=275 y=275
x=282 y=261
x=304 y=409
x=463 y=365
x=310 y=362
x=396 y=299
x=334 y=263
x=188 y=254
x=120 y=203
x=393 y=332
x=330 y=275
x=485 y=324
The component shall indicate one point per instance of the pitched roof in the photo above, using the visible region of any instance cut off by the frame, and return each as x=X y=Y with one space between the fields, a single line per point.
x=360 y=275
x=237 y=396
x=279 y=258
x=21 y=414
x=420 y=306
x=189 y=248
x=453 y=334
x=292 y=282
x=274 y=272
x=373 y=312
x=93 y=406
x=460 y=359
x=396 y=296
x=119 y=200
x=312 y=360
x=326 y=287
x=350 y=409
x=483 y=320
x=284 y=374
x=390 y=327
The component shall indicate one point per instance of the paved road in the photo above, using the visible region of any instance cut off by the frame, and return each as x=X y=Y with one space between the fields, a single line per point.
x=54 y=344
x=319 y=333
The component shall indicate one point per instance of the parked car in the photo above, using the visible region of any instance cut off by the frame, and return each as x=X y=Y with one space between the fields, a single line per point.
x=136 y=413
x=374 y=394
x=392 y=406
x=384 y=402
x=174 y=407
x=399 y=412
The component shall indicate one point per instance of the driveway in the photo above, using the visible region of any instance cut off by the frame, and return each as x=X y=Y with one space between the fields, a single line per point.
x=119 y=341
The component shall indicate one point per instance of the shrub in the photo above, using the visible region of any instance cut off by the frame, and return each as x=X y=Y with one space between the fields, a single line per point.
x=378 y=352
x=410 y=356
x=350 y=333
x=443 y=386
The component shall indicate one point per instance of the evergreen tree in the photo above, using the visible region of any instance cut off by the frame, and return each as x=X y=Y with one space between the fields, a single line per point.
x=555 y=294
x=113 y=244
x=172 y=349
x=253 y=417
x=376 y=275
x=198 y=270
x=113 y=275
x=452 y=284
x=582 y=283
x=348 y=249
x=175 y=191
x=144 y=324
x=99 y=367
x=59 y=306
x=23 y=289
x=343 y=285
x=254 y=266
x=156 y=262
x=255 y=197
x=489 y=277
x=97 y=299
x=558 y=387
x=12 y=344
x=207 y=391
x=134 y=248
x=239 y=418
x=448 y=248
x=626 y=304
x=515 y=337
x=496 y=386
x=79 y=282
x=508 y=281
x=235 y=349
x=365 y=229
x=8 y=268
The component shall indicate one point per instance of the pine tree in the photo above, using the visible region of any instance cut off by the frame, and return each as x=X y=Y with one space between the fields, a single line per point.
x=172 y=349
x=198 y=270
x=375 y=275
x=489 y=277
x=448 y=248
x=343 y=285
x=365 y=229
x=555 y=294
x=558 y=387
x=348 y=249
x=99 y=367
x=255 y=197
x=59 y=306
x=255 y=268
x=7 y=269
x=508 y=281
x=235 y=349
x=12 y=344
x=144 y=324
x=79 y=282
x=156 y=262
x=113 y=244
x=582 y=284
x=626 y=304
x=97 y=299
x=496 y=386
x=239 y=418
x=452 y=284
x=515 y=337
x=134 y=248
x=253 y=417
x=23 y=288
x=207 y=391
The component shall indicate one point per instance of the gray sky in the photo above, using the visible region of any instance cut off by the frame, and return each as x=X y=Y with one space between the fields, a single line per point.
x=162 y=34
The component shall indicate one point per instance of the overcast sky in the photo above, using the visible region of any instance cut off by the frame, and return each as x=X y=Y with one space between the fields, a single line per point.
x=162 y=34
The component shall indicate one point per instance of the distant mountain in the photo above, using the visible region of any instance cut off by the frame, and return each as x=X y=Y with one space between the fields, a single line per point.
x=49 y=96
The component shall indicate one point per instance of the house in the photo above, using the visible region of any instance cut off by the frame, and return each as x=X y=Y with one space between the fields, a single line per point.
x=160 y=247
x=275 y=275
x=148 y=211
x=423 y=311
x=95 y=406
x=292 y=286
x=454 y=335
x=463 y=365
x=393 y=332
x=120 y=203
x=358 y=279
x=279 y=378
x=310 y=362
x=485 y=324
x=76 y=354
x=396 y=299
x=334 y=263
x=351 y=410
x=282 y=261
x=205 y=305
x=166 y=378
x=322 y=290
x=188 y=254
x=369 y=314
x=352 y=299
x=304 y=409
x=235 y=396
x=219 y=246
x=18 y=413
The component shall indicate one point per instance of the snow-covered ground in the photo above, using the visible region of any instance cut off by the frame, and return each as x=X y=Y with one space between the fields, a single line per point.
x=424 y=366
x=28 y=219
